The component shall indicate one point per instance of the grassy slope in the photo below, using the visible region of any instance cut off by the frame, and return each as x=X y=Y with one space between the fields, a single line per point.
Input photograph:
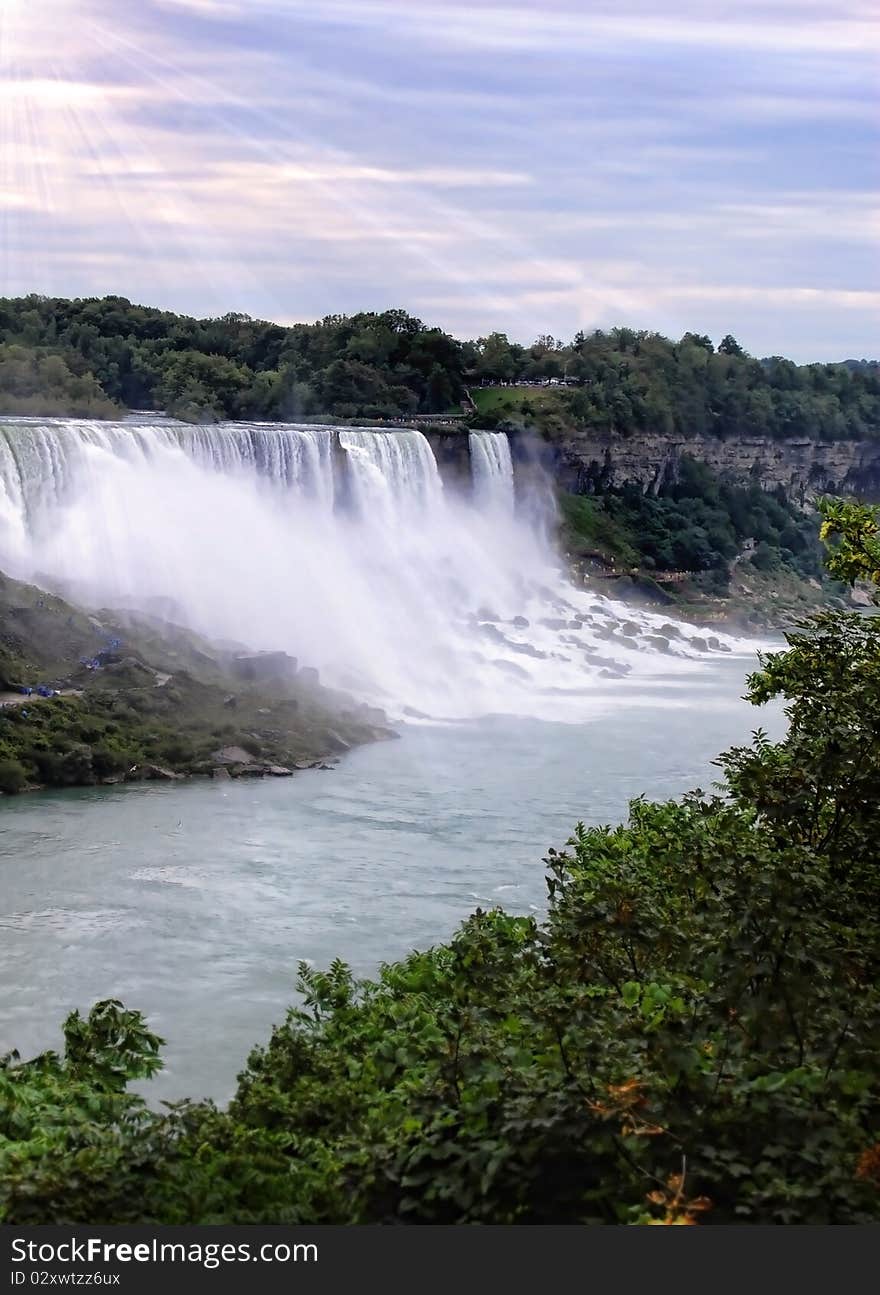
x=171 y=699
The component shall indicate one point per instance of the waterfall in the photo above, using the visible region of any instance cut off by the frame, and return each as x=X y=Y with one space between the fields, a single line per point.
x=394 y=473
x=342 y=546
x=492 y=470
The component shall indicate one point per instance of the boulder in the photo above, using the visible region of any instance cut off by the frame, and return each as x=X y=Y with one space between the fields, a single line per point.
x=527 y=649
x=152 y=773
x=520 y=622
x=157 y=773
x=658 y=642
x=257 y=667
x=232 y=755
x=335 y=742
x=220 y=772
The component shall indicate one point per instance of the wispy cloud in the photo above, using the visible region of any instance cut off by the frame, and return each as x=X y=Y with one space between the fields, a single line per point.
x=490 y=164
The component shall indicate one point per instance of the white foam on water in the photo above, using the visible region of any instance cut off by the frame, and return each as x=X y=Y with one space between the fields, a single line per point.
x=342 y=546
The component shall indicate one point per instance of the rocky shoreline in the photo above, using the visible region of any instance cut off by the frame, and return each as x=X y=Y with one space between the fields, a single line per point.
x=127 y=697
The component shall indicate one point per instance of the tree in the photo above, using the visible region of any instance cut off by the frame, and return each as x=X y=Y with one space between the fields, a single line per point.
x=856 y=530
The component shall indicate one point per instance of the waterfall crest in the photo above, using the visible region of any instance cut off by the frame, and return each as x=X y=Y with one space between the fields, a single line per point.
x=342 y=546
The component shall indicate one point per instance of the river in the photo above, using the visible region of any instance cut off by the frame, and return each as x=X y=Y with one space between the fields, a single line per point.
x=194 y=903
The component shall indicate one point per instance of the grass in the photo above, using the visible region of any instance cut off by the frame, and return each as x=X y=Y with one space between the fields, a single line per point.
x=508 y=401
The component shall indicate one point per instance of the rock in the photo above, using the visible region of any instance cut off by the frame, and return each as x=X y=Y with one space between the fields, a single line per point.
x=607 y=663
x=714 y=644
x=335 y=741
x=112 y=780
x=304 y=764
x=221 y=772
x=575 y=625
x=554 y=623
x=382 y=735
x=259 y=666
x=484 y=614
x=593 y=658
x=278 y=771
x=671 y=631
x=630 y=629
x=658 y=642
x=152 y=773
x=527 y=649
x=232 y=755
x=612 y=674
x=231 y=702
x=699 y=644
x=520 y=622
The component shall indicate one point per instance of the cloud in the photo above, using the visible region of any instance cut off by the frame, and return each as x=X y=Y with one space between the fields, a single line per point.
x=506 y=26
x=536 y=168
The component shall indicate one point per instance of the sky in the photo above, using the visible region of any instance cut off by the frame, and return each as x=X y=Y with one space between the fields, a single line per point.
x=487 y=165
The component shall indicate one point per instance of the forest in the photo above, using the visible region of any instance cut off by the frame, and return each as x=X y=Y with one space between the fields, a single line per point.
x=95 y=357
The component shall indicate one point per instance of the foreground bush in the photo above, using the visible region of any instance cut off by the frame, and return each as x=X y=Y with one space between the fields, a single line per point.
x=692 y=1032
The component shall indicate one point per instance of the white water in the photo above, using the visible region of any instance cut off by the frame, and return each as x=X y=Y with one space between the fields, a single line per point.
x=492 y=471
x=342 y=546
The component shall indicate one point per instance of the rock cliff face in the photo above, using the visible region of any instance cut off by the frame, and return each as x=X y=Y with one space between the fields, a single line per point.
x=582 y=461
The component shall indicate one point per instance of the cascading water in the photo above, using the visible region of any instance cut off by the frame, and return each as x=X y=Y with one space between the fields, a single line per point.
x=340 y=545
x=492 y=470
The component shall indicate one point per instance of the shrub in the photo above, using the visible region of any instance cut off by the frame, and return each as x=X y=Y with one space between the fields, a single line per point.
x=13 y=777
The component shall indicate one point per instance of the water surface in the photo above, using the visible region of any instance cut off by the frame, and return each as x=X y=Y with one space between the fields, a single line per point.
x=194 y=903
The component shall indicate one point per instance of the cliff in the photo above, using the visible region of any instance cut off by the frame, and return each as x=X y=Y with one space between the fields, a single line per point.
x=581 y=462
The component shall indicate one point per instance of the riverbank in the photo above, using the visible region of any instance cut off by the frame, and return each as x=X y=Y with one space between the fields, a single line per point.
x=135 y=697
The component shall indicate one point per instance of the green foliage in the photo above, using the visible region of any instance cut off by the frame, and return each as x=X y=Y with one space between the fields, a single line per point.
x=619 y=382
x=856 y=530
x=70 y=1131
x=39 y=381
x=13 y=777
x=697 y=523
x=92 y=355
x=365 y=365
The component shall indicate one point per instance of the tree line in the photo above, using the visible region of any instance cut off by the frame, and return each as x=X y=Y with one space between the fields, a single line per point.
x=94 y=356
